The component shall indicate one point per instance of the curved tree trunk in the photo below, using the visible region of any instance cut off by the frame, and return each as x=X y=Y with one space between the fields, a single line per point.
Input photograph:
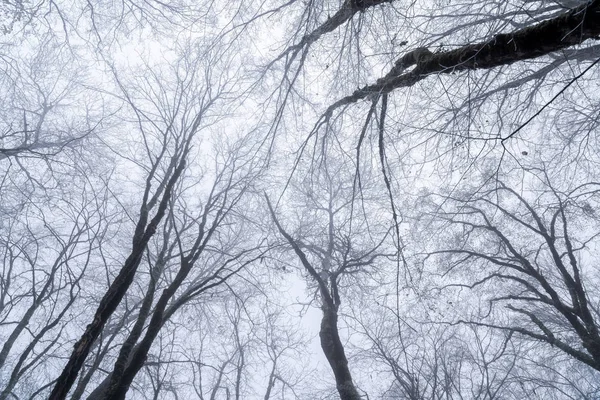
x=334 y=351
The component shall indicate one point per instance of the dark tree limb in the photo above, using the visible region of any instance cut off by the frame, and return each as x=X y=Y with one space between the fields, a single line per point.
x=566 y=30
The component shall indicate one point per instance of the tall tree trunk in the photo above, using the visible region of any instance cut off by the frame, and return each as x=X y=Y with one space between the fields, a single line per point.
x=115 y=292
x=336 y=356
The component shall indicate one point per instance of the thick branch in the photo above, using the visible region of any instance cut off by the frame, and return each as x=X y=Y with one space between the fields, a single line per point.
x=568 y=29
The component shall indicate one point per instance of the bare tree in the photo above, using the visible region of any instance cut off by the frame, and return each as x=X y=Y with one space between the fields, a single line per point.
x=168 y=142
x=533 y=248
x=39 y=286
x=48 y=108
x=334 y=245
x=134 y=145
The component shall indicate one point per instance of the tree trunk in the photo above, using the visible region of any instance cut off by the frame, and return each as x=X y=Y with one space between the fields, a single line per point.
x=114 y=294
x=334 y=351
